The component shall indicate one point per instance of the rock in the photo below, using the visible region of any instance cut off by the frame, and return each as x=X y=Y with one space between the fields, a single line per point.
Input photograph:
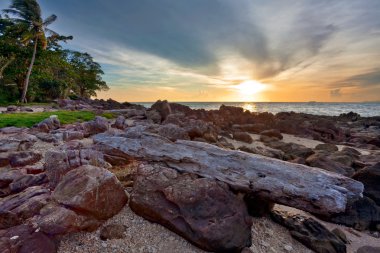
x=21 y=159
x=339 y=233
x=4 y=160
x=291 y=150
x=242 y=136
x=48 y=137
x=25 y=204
x=253 y=128
x=368 y=249
x=246 y=250
x=154 y=116
x=119 y=123
x=7 y=177
x=266 y=139
x=59 y=162
x=48 y=124
x=173 y=132
x=112 y=231
x=257 y=206
x=12 y=130
x=310 y=232
x=91 y=190
x=321 y=161
x=35 y=169
x=288 y=248
x=264 y=151
x=198 y=128
x=26 y=181
x=98 y=125
x=58 y=220
x=163 y=108
x=272 y=133
x=12 y=108
x=20 y=142
x=220 y=223
x=24 y=239
x=327 y=147
x=362 y=214
x=25 y=109
x=370 y=177
x=296 y=185
x=9 y=219
x=72 y=135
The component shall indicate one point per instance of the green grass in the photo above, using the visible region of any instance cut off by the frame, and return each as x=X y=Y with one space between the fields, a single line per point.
x=30 y=119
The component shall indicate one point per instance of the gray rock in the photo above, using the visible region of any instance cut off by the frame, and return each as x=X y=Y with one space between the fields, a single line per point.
x=24 y=158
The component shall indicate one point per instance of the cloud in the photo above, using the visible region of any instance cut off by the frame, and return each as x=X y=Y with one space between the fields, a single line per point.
x=365 y=80
x=335 y=93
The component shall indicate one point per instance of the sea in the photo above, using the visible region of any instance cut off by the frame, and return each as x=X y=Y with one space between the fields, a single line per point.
x=318 y=108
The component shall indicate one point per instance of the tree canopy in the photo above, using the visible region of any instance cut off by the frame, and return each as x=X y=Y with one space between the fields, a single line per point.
x=33 y=64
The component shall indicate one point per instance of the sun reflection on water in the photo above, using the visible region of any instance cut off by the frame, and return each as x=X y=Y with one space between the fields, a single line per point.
x=252 y=107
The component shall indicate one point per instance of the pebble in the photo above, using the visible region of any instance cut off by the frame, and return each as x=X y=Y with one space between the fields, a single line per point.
x=288 y=248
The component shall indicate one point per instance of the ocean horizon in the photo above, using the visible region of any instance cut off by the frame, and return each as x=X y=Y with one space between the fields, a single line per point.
x=365 y=109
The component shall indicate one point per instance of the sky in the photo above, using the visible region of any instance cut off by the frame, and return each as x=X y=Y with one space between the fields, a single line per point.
x=228 y=50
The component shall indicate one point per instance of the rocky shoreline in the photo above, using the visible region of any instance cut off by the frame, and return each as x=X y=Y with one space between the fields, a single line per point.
x=211 y=177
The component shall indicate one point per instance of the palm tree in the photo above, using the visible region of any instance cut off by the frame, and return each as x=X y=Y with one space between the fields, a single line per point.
x=28 y=14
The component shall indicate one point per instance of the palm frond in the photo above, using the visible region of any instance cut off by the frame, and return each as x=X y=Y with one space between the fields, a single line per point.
x=49 y=20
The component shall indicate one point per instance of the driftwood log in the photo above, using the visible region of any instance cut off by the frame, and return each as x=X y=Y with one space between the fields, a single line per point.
x=306 y=188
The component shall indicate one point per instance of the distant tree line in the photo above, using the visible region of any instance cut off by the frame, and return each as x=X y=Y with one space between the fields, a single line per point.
x=34 y=67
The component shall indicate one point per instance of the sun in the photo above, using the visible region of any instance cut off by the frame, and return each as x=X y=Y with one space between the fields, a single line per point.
x=250 y=87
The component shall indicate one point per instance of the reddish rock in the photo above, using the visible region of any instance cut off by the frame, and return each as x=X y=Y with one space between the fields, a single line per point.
x=242 y=136
x=327 y=147
x=7 y=177
x=20 y=159
x=173 y=132
x=4 y=159
x=323 y=162
x=26 y=181
x=112 y=231
x=219 y=223
x=98 y=125
x=25 y=204
x=272 y=133
x=59 y=162
x=91 y=190
x=119 y=123
x=72 y=135
x=370 y=177
x=24 y=239
x=163 y=108
x=48 y=124
x=58 y=220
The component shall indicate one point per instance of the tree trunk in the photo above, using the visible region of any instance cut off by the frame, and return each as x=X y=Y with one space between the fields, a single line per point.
x=11 y=59
x=26 y=84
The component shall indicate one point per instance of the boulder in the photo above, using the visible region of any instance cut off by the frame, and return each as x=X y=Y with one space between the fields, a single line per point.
x=310 y=189
x=264 y=151
x=362 y=214
x=98 y=125
x=19 y=142
x=327 y=147
x=163 y=108
x=119 y=122
x=272 y=133
x=24 y=158
x=219 y=223
x=253 y=128
x=59 y=162
x=321 y=161
x=72 y=135
x=91 y=190
x=370 y=177
x=291 y=150
x=242 y=136
x=310 y=232
x=154 y=116
x=8 y=176
x=48 y=124
x=4 y=159
x=25 y=204
x=58 y=220
x=12 y=108
x=173 y=132
x=26 y=181
x=25 y=239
